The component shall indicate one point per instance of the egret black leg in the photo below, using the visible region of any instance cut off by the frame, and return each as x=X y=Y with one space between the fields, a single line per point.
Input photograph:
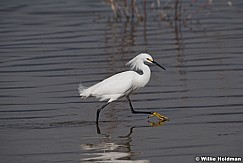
x=98 y=112
x=137 y=112
x=161 y=117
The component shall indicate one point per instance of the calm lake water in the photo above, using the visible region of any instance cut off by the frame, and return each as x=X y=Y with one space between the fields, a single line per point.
x=48 y=47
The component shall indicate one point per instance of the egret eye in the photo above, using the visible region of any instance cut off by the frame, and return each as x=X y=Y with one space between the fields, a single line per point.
x=149 y=59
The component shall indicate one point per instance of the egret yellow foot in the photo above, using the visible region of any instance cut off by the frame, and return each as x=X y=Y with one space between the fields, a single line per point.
x=156 y=124
x=159 y=116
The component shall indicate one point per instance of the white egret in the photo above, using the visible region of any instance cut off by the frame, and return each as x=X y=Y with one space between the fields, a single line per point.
x=123 y=84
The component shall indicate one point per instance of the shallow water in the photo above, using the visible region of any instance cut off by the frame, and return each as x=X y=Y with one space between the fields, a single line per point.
x=48 y=47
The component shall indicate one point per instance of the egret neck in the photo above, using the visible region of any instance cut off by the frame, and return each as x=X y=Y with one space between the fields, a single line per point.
x=143 y=79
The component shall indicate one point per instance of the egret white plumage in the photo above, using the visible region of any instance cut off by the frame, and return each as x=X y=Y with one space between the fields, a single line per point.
x=123 y=84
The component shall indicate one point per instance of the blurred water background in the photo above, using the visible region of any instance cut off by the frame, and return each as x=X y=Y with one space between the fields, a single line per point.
x=48 y=47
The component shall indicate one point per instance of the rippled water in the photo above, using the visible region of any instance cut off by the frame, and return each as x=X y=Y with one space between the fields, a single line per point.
x=48 y=47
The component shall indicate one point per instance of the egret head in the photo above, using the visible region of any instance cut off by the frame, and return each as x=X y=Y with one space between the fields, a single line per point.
x=149 y=59
x=142 y=58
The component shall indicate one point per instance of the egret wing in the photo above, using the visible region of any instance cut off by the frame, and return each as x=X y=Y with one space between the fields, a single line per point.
x=121 y=84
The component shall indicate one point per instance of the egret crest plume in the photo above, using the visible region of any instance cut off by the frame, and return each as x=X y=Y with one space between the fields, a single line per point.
x=136 y=62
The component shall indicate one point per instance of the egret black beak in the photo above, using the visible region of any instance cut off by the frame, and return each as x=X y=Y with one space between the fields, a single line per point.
x=158 y=65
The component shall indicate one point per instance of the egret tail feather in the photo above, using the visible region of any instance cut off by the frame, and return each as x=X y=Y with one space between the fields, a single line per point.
x=82 y=91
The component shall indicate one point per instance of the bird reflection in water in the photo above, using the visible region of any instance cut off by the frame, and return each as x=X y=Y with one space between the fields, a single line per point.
x=115 y=150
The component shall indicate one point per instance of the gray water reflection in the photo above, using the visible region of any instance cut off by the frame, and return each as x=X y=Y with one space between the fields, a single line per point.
x=111 y=150
x=48 y=47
